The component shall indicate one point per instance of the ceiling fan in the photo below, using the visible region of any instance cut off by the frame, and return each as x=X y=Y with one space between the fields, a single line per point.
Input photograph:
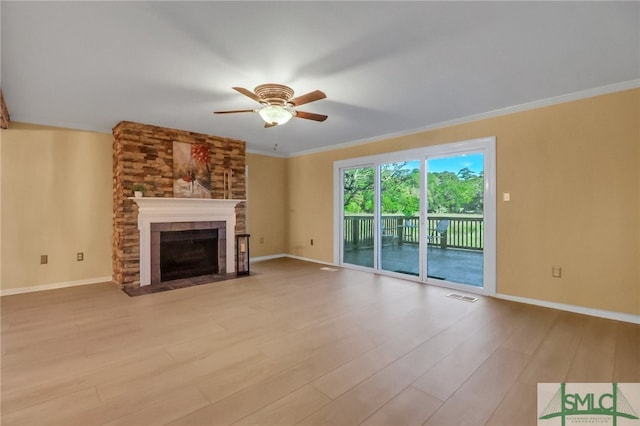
x=277 y=103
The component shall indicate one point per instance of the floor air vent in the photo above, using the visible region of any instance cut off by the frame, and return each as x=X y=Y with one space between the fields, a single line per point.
x=461 y=297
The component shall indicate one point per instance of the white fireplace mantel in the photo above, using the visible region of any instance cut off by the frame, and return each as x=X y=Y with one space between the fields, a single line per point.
x=160 y=210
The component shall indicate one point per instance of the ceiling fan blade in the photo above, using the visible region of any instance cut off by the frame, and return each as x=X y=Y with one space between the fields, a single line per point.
x=311 y=116
x=316 y=95
x=249 y=93
x=233 y=112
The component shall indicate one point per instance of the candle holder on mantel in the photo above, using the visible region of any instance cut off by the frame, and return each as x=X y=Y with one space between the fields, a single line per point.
x=227 y=182
x=242 y=254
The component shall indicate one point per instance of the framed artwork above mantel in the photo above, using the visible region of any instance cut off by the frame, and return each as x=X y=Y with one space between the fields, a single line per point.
x=191 y=170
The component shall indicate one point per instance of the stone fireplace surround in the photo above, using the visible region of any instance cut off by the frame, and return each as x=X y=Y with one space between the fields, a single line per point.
x=143 y=154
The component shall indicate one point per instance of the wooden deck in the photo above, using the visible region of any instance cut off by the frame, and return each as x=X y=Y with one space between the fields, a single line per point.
x=460 y=266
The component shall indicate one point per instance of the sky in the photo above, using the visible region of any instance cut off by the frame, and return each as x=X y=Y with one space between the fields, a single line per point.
x=473 y=162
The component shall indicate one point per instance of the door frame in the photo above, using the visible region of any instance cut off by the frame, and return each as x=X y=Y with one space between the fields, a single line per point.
x=487 y=146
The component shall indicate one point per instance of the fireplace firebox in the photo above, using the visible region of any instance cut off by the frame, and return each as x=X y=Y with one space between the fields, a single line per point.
x=187 y=250
x=186 y=254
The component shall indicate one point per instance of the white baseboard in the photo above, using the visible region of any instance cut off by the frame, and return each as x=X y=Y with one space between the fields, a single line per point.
x=291 y=256
x=269 y=257
x=53 y=286
x=311 y=260
x=618 y=316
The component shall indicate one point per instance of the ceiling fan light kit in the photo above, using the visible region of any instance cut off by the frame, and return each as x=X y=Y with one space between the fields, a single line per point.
x=276 y=114
x=277 y=105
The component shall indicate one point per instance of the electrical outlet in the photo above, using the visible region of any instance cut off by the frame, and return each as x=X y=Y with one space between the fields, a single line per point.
x=80 y=256
x=44 y=259
x=261 y=240
x=556 y=271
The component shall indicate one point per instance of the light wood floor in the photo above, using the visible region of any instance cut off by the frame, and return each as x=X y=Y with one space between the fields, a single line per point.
x=294 y=344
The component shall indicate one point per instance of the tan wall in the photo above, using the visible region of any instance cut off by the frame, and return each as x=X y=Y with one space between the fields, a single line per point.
x=267 y=206
x=56 y=200
x=311 y=205
x=573 y=171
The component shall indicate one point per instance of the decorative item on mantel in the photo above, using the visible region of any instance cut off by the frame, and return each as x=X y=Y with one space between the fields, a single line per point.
x=242 y=254
x=228 y=188
x=227 y=179
x=138 y=190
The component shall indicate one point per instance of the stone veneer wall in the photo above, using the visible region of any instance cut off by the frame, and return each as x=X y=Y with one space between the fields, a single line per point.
x=144 y=154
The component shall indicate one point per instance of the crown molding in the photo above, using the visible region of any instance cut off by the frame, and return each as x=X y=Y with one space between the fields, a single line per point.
x=583 y=94
x=265 y=153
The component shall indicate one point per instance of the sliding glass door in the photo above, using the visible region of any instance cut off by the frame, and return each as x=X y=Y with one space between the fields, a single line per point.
x=358 y=203
x=425 y=214
x=455 y=218
x=399 y=217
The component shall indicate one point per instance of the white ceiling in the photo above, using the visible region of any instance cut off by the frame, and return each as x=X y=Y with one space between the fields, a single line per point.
x=386 y=67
